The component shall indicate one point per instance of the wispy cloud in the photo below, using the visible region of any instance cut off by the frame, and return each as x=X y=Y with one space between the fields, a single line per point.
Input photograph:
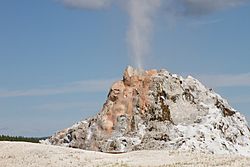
x=200 y=7
x=3 y=129
x=69 y=106
x=87 y=4
x=204 y=22
x=74 y=87
x=241 y=99
x=226 y=80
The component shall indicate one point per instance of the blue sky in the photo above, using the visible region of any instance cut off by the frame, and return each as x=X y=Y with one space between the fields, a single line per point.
x=57 y=63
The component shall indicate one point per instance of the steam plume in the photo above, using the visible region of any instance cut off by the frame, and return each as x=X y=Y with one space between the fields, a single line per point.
x=141 y=14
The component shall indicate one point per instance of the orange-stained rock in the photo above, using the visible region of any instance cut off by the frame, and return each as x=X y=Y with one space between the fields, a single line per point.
x=159 y=110
x=126 y=94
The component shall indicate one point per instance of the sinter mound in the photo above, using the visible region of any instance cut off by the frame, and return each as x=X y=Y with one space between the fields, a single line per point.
x=159 y=110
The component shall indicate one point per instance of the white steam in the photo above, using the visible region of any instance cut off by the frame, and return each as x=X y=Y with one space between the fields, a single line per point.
x=142 y=12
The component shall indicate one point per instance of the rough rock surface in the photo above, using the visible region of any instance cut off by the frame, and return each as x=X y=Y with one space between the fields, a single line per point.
x=159 y=110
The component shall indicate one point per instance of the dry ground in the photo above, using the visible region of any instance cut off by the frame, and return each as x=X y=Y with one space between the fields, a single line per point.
x=17 y=154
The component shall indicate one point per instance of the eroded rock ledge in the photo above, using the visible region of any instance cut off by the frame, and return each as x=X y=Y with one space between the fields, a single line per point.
x=159 y=110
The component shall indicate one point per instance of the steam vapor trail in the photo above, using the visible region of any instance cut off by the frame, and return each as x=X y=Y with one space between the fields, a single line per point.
x=142 y=12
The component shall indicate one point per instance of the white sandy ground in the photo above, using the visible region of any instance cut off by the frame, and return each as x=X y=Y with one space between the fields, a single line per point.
x=18 y=154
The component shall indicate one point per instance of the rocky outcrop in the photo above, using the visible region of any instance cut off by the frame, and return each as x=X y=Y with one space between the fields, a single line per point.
x=159 y=110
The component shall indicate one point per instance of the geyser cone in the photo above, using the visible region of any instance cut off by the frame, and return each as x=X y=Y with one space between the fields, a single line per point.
x=159 y=110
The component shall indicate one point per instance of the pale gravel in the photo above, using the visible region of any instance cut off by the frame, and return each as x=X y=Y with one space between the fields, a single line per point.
x=19 y=154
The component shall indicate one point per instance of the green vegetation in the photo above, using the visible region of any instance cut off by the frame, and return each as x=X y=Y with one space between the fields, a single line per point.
x=21 y=138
